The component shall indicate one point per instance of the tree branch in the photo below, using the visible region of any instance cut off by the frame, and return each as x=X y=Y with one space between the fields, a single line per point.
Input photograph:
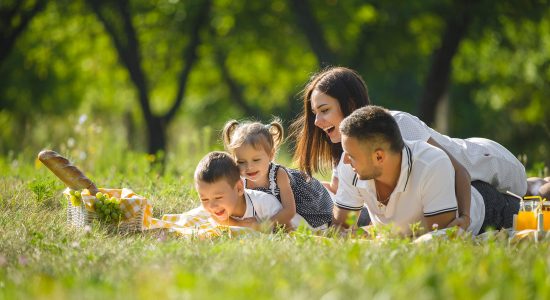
x=234 y=88
x=190 y=57
x=128 y=48
x=7 y=36
x=313 y=31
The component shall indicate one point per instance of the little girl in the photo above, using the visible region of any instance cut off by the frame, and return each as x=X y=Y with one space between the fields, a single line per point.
x=254 y=145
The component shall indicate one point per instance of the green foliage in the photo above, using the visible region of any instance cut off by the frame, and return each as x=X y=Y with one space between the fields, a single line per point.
x=42 y=188
x=65 y=65
x=508 y=64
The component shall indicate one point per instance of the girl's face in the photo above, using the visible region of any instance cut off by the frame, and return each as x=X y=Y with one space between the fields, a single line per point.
x=253 y=163
x=328 y=114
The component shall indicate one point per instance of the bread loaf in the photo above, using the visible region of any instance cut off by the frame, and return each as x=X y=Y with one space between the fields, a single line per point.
x=66 y=171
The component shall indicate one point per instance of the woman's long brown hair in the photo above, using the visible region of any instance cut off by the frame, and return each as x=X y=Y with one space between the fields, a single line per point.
x=314 y=151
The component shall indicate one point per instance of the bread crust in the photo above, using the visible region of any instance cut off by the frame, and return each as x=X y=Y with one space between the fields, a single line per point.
x=66 y=171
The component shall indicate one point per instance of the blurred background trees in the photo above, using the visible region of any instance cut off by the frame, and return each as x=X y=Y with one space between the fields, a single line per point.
x=157 y=71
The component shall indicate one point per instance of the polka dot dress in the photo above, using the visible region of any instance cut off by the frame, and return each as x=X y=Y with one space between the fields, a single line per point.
x=313 y=202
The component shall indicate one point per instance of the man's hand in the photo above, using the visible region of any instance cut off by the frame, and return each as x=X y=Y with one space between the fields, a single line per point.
x=461 y=221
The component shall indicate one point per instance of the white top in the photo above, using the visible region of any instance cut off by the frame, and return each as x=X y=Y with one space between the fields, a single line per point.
x=426 y=187
x=263 y=206
x=484 y=159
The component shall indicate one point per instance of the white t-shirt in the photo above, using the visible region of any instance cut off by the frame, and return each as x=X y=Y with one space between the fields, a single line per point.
x=263 y=206
x=426 y=187
x=485 y=160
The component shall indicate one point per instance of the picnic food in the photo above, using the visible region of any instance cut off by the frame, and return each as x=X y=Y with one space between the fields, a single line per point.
x=107 y=209
x=75 y=198
x=66 y=171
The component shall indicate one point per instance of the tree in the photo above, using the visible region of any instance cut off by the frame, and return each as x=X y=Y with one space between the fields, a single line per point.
x=14 y=19
x=117 y=19
x=438 y=78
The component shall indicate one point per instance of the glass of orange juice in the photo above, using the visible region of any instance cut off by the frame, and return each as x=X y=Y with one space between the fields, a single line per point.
x=527 y=218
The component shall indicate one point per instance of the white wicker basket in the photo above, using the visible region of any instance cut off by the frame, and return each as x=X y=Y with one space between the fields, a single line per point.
x=80 y=217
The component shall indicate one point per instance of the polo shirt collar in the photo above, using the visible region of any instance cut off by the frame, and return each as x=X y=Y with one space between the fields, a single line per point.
x=406 y=168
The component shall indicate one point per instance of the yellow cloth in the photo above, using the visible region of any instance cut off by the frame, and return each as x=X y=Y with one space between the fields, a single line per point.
x=196 y=223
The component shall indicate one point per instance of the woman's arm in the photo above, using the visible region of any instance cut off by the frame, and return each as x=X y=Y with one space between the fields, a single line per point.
x=463 y=190
x=288 y=202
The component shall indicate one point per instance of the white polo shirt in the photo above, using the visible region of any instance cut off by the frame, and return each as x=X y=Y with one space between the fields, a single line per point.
x=426 y=187
x=485 y=160
x=262 y=206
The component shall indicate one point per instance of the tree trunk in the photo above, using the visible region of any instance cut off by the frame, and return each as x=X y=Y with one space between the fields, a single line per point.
x=438 y=79
x=313 y=32
x=156 y=131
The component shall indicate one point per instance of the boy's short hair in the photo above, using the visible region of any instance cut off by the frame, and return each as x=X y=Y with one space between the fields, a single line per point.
x=217 y=165
x=373 y=123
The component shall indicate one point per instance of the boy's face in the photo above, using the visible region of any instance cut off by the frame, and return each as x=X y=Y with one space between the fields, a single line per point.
x=221 y=199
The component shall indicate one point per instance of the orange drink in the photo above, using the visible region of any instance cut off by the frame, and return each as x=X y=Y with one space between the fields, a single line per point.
x=527 y=218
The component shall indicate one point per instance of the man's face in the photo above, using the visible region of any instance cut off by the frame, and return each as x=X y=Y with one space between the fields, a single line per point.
x=219 y=198
x=361 y=158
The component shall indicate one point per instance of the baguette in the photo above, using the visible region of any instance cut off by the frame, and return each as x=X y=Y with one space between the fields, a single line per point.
x=66 y=171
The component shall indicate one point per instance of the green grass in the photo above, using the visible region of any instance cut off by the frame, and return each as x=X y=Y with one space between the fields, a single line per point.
x=42 y=258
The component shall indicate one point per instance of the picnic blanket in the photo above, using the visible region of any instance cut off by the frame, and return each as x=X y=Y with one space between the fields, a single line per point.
x=196 y=223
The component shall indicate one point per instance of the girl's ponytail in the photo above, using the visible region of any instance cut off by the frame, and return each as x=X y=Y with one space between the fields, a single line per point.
x=277 y=132
x=227 y=133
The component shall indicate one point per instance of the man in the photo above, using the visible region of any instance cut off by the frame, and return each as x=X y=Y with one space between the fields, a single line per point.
x=403 y=183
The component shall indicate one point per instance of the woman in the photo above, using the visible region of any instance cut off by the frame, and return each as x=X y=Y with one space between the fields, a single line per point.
x=335 y=92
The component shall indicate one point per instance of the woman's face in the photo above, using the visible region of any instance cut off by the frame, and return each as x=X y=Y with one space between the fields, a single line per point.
x=328 y=114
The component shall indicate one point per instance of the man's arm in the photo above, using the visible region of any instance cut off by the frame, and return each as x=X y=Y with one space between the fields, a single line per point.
x=347 y=199
x=442 y=220
x=438 y=196
x=341 y=215
x=463 y=190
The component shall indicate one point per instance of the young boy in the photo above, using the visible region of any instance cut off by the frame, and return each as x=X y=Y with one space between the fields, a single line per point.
x=222 y=194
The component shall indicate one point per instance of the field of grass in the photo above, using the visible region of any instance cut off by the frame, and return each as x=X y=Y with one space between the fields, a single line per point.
x=42 y=258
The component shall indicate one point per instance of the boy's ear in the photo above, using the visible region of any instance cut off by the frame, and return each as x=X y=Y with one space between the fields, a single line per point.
x=239 y=186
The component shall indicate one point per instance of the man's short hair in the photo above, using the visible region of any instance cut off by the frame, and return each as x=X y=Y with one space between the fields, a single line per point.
x=217 y=165
x=375 y=124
